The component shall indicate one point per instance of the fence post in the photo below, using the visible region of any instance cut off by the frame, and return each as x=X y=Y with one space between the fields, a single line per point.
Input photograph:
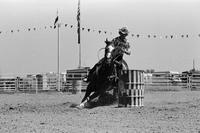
x=188 y=82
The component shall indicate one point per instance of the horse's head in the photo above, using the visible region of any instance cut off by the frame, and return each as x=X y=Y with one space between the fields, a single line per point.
x=112 y=52
x=108 y=50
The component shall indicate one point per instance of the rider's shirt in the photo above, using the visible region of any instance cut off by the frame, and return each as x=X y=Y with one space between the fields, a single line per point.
x=122 y=43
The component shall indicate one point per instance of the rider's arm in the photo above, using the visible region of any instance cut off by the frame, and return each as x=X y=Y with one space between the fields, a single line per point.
x=126 y=49
x=128 y=52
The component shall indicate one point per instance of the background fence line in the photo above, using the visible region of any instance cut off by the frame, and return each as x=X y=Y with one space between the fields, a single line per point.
x=73 y=84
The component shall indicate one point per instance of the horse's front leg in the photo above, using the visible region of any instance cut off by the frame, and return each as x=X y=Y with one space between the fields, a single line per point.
x=93 y=96
x=89 y=90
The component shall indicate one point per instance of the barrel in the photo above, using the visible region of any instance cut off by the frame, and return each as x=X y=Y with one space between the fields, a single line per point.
x=131 y=88
x=77 y=85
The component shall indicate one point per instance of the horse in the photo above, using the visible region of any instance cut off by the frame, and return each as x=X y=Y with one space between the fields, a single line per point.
x=105 y=76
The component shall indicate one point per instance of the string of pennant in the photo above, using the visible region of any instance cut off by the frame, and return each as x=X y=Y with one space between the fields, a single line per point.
x=171 y=36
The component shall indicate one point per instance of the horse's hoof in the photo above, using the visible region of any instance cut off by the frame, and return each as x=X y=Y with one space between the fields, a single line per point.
x=80 y=106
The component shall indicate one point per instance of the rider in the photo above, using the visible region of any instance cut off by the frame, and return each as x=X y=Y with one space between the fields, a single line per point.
x=120 y=42
x=123 y=44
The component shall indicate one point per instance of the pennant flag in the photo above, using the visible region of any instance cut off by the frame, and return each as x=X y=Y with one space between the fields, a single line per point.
x=0 y=32
x=34 y=28
x=45 y=27
x=149 y=36
x=171 y=36
x=71 y=26
x=132 y=35
x=187 y=36
x=154 y=36
x=12 y=31
x=166 y=36
x=56 y=20
x=78 y=23
x=99 y=31
x=138 y=35
x=105 y=32
x=83 y=28
x=182 y=36
x=18 y=30
x=29 y=29
x=199 y=35
x=88 y=30
x=65 y=25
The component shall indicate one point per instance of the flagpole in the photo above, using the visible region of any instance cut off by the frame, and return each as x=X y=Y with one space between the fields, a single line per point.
x=58 y=63
x=79 y=55
x=57 y=24
x=78 y=31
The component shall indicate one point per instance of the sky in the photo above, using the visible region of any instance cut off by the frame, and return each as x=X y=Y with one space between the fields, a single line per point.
x=27 y=52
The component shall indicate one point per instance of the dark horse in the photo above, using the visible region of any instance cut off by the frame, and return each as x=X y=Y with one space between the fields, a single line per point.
x=106 y=75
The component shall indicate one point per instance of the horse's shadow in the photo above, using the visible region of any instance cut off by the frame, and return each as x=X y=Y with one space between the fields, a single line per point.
x=104 y=100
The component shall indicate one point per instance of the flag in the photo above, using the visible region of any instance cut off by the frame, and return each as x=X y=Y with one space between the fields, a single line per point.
x=78 y=23
x=56 y=20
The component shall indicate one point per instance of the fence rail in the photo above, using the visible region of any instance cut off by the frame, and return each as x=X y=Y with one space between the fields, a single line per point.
x=190 y=82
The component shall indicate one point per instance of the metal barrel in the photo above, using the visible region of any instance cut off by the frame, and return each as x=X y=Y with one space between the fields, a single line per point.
x=131 y=88
x=77 y=85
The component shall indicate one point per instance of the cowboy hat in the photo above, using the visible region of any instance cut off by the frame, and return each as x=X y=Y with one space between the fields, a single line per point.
x=123 y=31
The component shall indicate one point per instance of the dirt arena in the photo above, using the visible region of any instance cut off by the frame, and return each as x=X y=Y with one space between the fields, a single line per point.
x=164 y=111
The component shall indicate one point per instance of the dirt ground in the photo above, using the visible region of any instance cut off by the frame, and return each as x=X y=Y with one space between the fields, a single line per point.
x=163 y=111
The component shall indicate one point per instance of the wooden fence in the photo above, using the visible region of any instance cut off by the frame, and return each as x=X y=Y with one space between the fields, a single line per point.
x=181 y=81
